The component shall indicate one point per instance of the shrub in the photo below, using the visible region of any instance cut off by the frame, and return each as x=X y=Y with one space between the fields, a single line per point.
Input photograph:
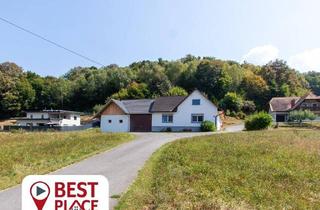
x=258 y=121
x=301 y=115
x=232 y=101
x=241 y=115
x=233 y=114
x=248 y=107
x=208 y=126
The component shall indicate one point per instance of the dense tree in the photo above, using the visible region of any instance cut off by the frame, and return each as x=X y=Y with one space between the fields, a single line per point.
x=255 y=88
x=16 y=93
x=212 y=79
x=177 y=91
x=232 y=102
x=248 y=107
x=235 y=72
x=173 y=70
x=313 y=79
x=154 y=76
x=84 y=87
x=282 y=80
x=133 y=91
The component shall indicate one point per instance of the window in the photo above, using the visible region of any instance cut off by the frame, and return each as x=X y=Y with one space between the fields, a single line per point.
x=195 y=101
x=167 y=118
x=31 y=116
x=75 y=118
x=120 y=121
x=110 y=121
x=196 y=118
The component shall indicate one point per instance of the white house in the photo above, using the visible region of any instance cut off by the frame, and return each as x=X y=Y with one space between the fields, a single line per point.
x=172 y=113
x=50 y=118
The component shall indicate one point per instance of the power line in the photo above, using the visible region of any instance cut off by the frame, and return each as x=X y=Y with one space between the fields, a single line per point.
x=51 y=42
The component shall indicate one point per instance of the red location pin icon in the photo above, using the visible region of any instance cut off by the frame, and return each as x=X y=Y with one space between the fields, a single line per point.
x=40 y=192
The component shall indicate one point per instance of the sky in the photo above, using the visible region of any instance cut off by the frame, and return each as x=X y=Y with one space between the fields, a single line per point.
x=123 y=31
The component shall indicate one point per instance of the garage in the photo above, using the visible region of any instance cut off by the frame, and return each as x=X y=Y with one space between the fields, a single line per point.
x=140 y=122
x=126 y=115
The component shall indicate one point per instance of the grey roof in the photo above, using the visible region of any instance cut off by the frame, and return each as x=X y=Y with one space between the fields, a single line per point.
x=167 y=104
x=282 y=104
x=139 y=106
x=121 y=105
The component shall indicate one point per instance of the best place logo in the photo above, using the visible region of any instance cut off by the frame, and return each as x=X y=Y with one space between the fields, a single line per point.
x=65 y=192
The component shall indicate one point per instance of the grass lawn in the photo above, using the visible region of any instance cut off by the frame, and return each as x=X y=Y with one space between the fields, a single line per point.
x=27 y=153
x=303 y=126
x=248 y=170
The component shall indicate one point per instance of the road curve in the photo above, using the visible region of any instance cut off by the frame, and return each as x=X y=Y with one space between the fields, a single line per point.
x=120 y=165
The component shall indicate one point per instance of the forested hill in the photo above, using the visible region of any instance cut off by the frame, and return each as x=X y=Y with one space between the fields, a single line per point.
x=236 y=87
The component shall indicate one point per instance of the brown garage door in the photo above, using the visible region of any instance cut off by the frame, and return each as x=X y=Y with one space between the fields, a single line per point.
x=140 y=122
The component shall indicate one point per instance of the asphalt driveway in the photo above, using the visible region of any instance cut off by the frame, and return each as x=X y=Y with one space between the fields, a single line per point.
x=120 y=165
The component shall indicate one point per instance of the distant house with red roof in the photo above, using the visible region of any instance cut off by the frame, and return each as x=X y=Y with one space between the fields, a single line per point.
x=280 y=107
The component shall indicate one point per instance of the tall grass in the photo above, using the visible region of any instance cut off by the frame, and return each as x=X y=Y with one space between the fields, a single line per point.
x=24 y=153
x=250 y=170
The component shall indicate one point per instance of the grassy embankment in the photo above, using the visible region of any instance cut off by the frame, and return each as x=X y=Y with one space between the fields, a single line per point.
x=27 y=153
x=249 y=170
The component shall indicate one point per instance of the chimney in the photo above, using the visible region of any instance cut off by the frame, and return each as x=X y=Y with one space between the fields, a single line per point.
x=293 y=102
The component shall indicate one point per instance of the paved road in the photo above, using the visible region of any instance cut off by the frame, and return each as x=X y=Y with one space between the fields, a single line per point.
x=120 y=165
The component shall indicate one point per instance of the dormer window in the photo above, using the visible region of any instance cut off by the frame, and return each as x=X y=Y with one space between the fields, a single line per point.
x=195 y=101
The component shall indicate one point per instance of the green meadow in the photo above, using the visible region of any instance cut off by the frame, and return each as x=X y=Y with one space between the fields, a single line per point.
x=25 y=153
x=247 y=170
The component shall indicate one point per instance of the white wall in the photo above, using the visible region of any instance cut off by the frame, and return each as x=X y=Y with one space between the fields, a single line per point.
x=115 y=125
x=70 y=120
x=182 y=118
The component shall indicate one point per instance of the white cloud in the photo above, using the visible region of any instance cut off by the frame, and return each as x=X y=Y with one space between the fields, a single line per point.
x=261 y=55
x=309 y=60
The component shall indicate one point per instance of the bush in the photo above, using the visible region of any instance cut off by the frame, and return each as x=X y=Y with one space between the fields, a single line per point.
x=233 y=114
x=232 y=101
x=258 y=121
x=248 y=107
x=301 y=115
x=241 y=115
x=208 y=126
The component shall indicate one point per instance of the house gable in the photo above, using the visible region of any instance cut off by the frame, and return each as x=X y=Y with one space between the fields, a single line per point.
x=112 y=109
x=197 y=95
